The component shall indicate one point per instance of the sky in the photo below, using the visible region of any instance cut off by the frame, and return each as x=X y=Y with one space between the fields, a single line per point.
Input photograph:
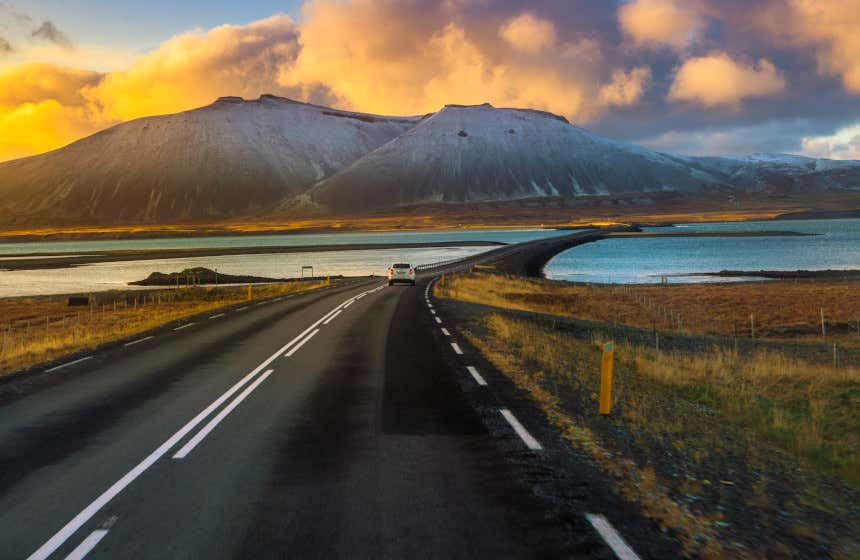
x=684 y=76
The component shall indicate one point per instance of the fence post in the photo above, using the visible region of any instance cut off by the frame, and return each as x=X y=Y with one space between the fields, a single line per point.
x=823 y=327
x=606 y=379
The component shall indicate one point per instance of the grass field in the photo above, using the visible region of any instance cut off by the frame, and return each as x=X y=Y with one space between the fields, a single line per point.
x=781 y=310
x=698 y=438
x=39 y=329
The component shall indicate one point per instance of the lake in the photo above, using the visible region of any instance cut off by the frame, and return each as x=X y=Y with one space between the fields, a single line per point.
x=116 y=275
x=647 y=259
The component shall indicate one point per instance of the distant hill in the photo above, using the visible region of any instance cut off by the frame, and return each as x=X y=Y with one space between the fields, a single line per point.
x=238 y=158
x=228 y=159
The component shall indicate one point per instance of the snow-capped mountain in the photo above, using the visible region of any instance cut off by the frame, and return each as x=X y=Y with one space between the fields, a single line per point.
x=231 y=158
x=238 y=158
x=474 y=153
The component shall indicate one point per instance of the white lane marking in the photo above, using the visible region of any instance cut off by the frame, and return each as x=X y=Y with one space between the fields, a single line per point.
x=438 y=320
x=300 y=344
x=430 y=305
x=61 y=366
x=621 y=549
x=477 y=376
x=242 y=309
x=69 y=529
x=350 y=303
x=456 y=348
x=72 y=526
x=330 y=319
x=138 y=341
x=89 y=543
x=527 y=438
x=445 y=331
x=433 y=311
x=212 y=424
x=184 y=326
x=263 y=303
x=216 y=316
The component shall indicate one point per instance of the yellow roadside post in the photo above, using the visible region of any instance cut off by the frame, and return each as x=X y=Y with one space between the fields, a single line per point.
x=606 y=379
x=249 y=292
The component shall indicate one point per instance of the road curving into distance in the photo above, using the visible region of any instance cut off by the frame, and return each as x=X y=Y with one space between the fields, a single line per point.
x=353 y=421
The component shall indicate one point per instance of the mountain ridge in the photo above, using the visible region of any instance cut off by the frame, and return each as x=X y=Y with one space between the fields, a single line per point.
x=237 y=157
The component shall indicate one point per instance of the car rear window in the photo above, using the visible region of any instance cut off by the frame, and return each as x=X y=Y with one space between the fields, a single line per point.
x=402 y=265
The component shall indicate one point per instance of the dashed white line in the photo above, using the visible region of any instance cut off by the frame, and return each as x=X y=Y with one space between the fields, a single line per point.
x=438 y=320
x=242 y=309
x=430 y=305
x=69 y=529
x=476 y=376
x=217 y=316
x=89 y=543
x=61 y=366
x=330 y=319
x=456 y=348
x=527 y=438
x=300 y=344
x=184 y=326
x=192 y=443
x=445 y=332
x=138 y=341
x=433 y=311
x=612 y=538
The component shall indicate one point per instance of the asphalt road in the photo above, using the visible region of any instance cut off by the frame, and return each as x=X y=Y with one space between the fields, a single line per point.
x=332 y=424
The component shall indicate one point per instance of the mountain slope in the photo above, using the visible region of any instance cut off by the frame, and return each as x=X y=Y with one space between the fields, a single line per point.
x=231 y=158
x=472 y=153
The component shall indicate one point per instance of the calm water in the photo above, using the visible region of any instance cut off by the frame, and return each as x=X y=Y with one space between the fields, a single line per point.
x=86 y=247
x=116 y=275
x=647 y=259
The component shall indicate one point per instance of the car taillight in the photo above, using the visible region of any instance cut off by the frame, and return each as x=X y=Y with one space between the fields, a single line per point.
x=411 y=271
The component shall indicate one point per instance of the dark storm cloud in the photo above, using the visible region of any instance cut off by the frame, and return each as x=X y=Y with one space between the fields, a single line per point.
x=49 y=32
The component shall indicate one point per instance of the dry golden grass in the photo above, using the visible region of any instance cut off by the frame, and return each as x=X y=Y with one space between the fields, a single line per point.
x=781 y=309
x=683 y=402
x=35 y=330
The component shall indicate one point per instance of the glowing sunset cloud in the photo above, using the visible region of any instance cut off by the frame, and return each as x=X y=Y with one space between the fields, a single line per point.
x=699 y=76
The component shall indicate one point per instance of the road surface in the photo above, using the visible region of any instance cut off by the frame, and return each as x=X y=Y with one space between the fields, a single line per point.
x=323 y=425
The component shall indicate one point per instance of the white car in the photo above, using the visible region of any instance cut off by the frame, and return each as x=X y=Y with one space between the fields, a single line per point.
x=401 y=272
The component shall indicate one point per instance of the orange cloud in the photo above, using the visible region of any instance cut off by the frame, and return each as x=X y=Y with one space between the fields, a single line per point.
x=716 y=80
x=194 y=68
x=528 y=33
x=830 y=27
x=385 y=57
x=389 y=58
x=626 y=88
x=660 y=22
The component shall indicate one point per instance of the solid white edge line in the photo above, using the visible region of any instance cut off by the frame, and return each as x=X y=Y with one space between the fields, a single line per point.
x=445 y=332
x=216 y=316
x=300 y=344
x=527 y=438
x=438 y=320
x=61 y=366
x=212 y=424
x=138 y=341
x=476 y=376
x=69 y=529
x=80 y=552
x=456 y=348
x=349 y=303
x=330 y=319
x=612 y=537
x=184 y=326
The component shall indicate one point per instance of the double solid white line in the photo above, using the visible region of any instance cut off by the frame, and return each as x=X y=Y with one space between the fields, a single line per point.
x=70 y=528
